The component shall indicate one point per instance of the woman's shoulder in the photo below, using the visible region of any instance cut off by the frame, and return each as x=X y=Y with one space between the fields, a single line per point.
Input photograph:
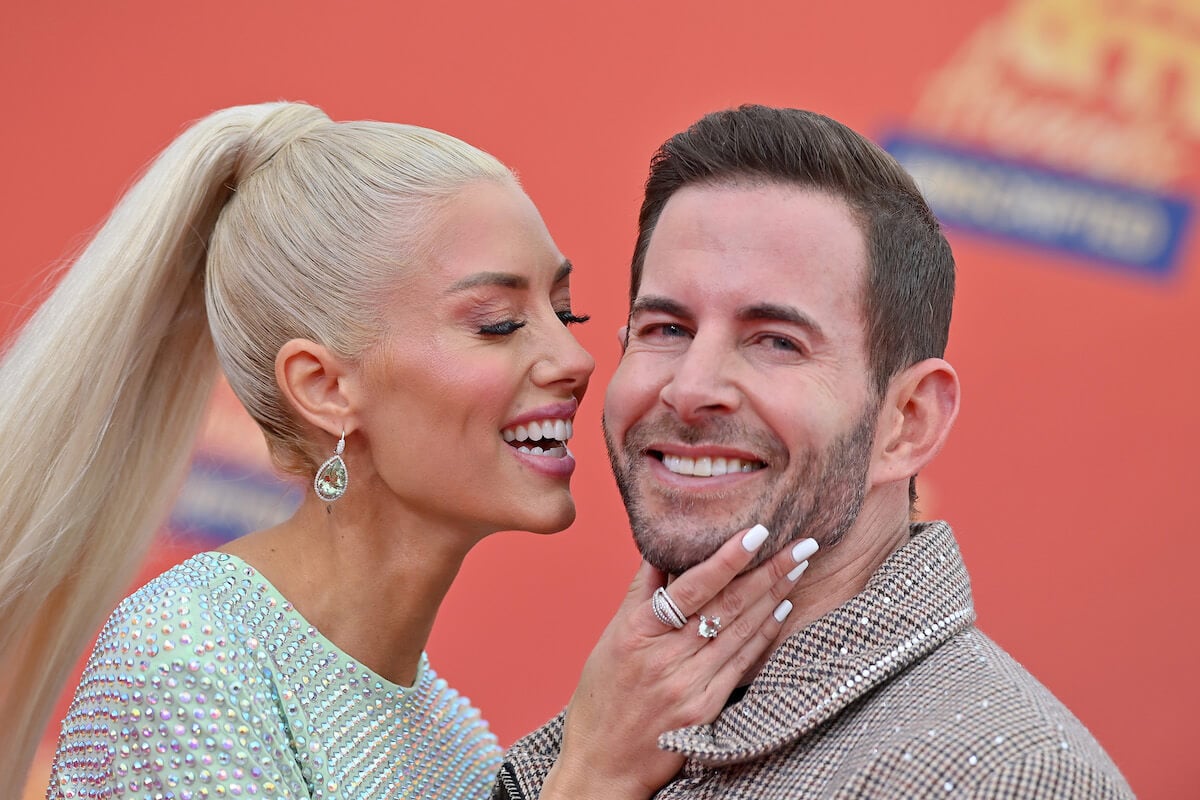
x=205 y=614
x=183 y=641
x=196 y=590
x=178 y=669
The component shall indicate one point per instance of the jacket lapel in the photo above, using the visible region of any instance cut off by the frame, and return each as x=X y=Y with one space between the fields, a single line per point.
x=919 y=598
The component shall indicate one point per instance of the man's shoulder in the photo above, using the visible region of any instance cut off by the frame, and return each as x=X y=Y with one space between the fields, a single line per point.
x=966 y=720
x=969 y=720
x=975 y=684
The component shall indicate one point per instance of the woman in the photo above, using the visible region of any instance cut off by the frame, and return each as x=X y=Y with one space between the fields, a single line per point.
x=389 y=307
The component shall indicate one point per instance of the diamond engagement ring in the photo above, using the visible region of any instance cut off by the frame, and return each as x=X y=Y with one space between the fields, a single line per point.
x=709 y=628
x=665 y=609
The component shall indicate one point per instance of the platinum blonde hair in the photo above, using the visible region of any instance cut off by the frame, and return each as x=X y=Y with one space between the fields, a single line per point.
x=259 y=224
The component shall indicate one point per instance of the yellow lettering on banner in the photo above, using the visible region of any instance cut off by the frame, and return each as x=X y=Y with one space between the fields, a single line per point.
x=1056 y=42
x=1110 y=88
x=1162 y=74
x=973 y=102
x=1127 y=51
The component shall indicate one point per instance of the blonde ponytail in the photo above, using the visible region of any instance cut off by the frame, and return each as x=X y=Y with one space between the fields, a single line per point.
x=104 y=389
x=293 y=226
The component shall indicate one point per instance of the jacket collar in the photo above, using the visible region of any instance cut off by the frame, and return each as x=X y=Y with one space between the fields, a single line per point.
x=917 y=599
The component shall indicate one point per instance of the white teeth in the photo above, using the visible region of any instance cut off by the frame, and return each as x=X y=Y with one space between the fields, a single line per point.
x=550 y=452
x=546 y=429
x=706 y=466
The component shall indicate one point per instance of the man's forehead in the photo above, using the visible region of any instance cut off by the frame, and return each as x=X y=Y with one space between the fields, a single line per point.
x=761 y=194
x=748 y=244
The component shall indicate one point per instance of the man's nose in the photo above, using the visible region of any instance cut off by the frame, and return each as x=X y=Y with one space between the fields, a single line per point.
x=702 y=383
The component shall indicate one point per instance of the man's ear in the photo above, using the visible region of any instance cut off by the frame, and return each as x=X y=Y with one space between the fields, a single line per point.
x=623 y=337
x=313 y=380
x=914 y=420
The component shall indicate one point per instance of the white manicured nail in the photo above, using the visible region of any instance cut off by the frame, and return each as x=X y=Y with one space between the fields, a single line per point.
x=782 y=610
x=804 y=549
x=795 y=574
x=754 y=538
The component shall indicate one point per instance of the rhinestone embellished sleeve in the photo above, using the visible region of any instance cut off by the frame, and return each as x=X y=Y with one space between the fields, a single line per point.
x=208 y=683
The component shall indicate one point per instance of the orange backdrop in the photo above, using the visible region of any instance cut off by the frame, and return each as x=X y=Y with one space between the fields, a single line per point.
x=1065 y=476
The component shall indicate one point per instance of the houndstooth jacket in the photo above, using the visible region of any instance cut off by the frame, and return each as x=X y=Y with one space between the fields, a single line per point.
x=895 y=694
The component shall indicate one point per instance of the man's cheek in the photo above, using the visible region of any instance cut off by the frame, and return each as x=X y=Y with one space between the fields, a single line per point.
x=633 y=389
x=618 y=404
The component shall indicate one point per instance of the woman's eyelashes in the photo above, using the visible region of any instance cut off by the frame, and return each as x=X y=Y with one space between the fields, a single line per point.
x=567 y=317
x=510 y=326
x=504 y=328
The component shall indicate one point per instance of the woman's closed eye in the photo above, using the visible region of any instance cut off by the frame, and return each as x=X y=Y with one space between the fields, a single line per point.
x=568 y=317
x=503 y=328
x=510 y=326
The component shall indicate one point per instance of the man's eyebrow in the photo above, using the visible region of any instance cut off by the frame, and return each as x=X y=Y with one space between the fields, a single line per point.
x=506 y=280
x=758 y=311
x=779 y=313
x=663 y=305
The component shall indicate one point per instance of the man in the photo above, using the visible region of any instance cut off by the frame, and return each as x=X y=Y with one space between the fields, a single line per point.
x=790 y=305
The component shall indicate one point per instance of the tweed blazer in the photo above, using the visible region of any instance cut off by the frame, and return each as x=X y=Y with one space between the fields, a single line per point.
x=895 y=694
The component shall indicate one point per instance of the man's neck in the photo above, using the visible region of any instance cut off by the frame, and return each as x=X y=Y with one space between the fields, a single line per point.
x=839 y=572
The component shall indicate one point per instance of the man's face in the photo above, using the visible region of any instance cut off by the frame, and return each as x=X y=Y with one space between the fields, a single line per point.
x=743 y=395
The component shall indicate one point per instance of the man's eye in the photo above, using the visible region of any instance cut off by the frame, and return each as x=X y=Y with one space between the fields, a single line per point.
x=505 y=328
x=669 y=329
x=568 y=318
x=780 y=343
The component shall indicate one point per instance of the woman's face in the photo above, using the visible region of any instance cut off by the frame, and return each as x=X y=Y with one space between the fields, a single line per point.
x=470 y=394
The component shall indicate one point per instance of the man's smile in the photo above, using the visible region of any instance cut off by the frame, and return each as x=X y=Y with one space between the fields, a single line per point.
x=706 y=465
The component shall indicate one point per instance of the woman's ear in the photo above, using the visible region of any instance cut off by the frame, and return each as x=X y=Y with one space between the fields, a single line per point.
x=914 y=420
x=313 y=380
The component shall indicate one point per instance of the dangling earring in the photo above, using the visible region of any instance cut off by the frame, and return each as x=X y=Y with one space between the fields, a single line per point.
x=332 y=478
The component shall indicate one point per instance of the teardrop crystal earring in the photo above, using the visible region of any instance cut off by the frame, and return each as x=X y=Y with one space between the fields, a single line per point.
x=332 y=478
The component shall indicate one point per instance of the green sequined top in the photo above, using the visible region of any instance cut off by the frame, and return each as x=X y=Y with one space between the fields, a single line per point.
x=206 y=682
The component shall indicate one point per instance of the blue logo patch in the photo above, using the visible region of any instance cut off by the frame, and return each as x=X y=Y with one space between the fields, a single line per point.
x=221 y=501
x=1134 y=228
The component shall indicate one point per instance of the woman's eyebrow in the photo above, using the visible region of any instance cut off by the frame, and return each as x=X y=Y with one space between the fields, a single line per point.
x=506 y=280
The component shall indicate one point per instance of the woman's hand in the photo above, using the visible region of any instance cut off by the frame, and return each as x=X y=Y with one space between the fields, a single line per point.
x=645 y=677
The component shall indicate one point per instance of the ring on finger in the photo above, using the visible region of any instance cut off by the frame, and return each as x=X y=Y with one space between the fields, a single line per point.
x=709 y=627
x=665 y=609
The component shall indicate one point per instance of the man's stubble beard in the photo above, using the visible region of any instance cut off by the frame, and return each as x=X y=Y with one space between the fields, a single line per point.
x=820 y=499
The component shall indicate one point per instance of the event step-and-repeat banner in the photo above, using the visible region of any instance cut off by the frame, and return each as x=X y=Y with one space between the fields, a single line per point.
x=1057 y=141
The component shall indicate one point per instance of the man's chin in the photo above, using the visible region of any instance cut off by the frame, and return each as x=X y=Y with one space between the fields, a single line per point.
x=677 y=553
